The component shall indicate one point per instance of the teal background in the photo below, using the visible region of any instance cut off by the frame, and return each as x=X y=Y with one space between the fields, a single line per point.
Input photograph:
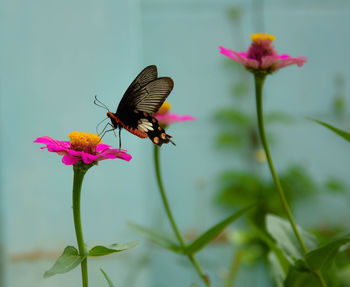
x=56 y=55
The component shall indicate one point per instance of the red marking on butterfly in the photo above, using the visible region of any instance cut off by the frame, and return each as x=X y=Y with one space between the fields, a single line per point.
x=136 y=132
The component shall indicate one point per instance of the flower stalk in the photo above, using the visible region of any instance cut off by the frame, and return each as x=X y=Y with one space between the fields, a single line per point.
x=259 y=83
x=172 y=220
x=79 y=173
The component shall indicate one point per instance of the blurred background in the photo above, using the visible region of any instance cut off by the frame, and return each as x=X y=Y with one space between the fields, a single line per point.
x=56 y=55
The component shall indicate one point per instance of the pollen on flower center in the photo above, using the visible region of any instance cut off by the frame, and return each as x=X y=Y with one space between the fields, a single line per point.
x=261 y=37
x=84 y=141
x=166 y=106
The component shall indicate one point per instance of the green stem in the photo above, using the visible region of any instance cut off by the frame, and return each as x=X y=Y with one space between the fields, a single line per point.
x=79 y=172
x=235 y=263
x=171 y=218
x=259 y=82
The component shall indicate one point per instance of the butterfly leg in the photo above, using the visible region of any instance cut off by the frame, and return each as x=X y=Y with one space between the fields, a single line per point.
x=120 y=138
x=104 y=131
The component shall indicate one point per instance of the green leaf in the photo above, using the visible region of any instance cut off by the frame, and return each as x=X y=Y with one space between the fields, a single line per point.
x=335 y=185
x=240 y=88
x=110 y=284
x=296 y=278
x=226 y=139
x=278 y=117
x=100 y=250
x=345 y=135
x=68 y=260
x=213 y=232
x=193 y=285
x=157 y=237
x=238 y=187
x=323 y=256
x=233 y=116
x=277 y=271
x=234 y=13
x=277 y=253
x=282 y=232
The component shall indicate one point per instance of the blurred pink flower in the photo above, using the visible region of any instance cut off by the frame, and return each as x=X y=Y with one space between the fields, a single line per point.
x=165 y=118
x=261 y=56
x=82 y=147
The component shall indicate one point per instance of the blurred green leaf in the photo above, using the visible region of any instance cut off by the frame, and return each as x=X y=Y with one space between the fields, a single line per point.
x=226 y=139
x=238 y=187
x=282 y=232
x=68 y=260
x=278 y=117
x=233 y=116
x=277 y=253
x=339 y=105
x=193 y=285
x=335 y=185
x=323 y=256
x=296 y=278
x=214 y=231
x=240 y=88
x=297 y=182
x=110 y=284
x=100 y=250
x=278 y=273
x=157 y=237
x=234 y=13
x=345 y=135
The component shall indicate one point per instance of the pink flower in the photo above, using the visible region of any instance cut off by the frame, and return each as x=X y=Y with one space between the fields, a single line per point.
x=261 y=56
x=165 y=118
x=82 y=147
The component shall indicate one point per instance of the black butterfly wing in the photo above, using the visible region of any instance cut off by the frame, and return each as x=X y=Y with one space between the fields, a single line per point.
x=146 y=76
x=150 y=97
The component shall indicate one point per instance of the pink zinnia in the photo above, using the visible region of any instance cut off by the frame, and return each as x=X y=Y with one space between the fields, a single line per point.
x=85 y=147
x=261 y=56
x=165 y=118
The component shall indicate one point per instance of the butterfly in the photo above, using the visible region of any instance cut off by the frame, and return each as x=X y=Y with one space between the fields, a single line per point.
x=141 y=100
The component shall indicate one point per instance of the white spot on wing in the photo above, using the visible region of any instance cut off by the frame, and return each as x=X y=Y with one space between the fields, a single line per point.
x=145 y=125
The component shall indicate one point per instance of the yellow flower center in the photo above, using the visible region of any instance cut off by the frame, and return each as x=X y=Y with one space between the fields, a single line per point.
x=262 y=37
x=84 y=141
x=166 y=106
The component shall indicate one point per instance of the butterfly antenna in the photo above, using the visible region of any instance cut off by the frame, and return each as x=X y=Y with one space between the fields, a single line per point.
x=98 y=103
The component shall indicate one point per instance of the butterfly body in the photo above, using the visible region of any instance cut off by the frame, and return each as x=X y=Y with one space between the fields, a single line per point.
x=144 y=97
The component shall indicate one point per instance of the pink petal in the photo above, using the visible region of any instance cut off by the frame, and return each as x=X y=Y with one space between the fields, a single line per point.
x=287 y=61
x=46 y=140
x=58 y=149
x=240 y=57
x=284 y=56
x=88 y=158
x=268 y=61
x=101 y=147
x=124 y=156
x=167 y=119
x=69 y=160
x=74 y=152
x=114 y=153
x=228 y=53
x=53 y=145
x=251 y=63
